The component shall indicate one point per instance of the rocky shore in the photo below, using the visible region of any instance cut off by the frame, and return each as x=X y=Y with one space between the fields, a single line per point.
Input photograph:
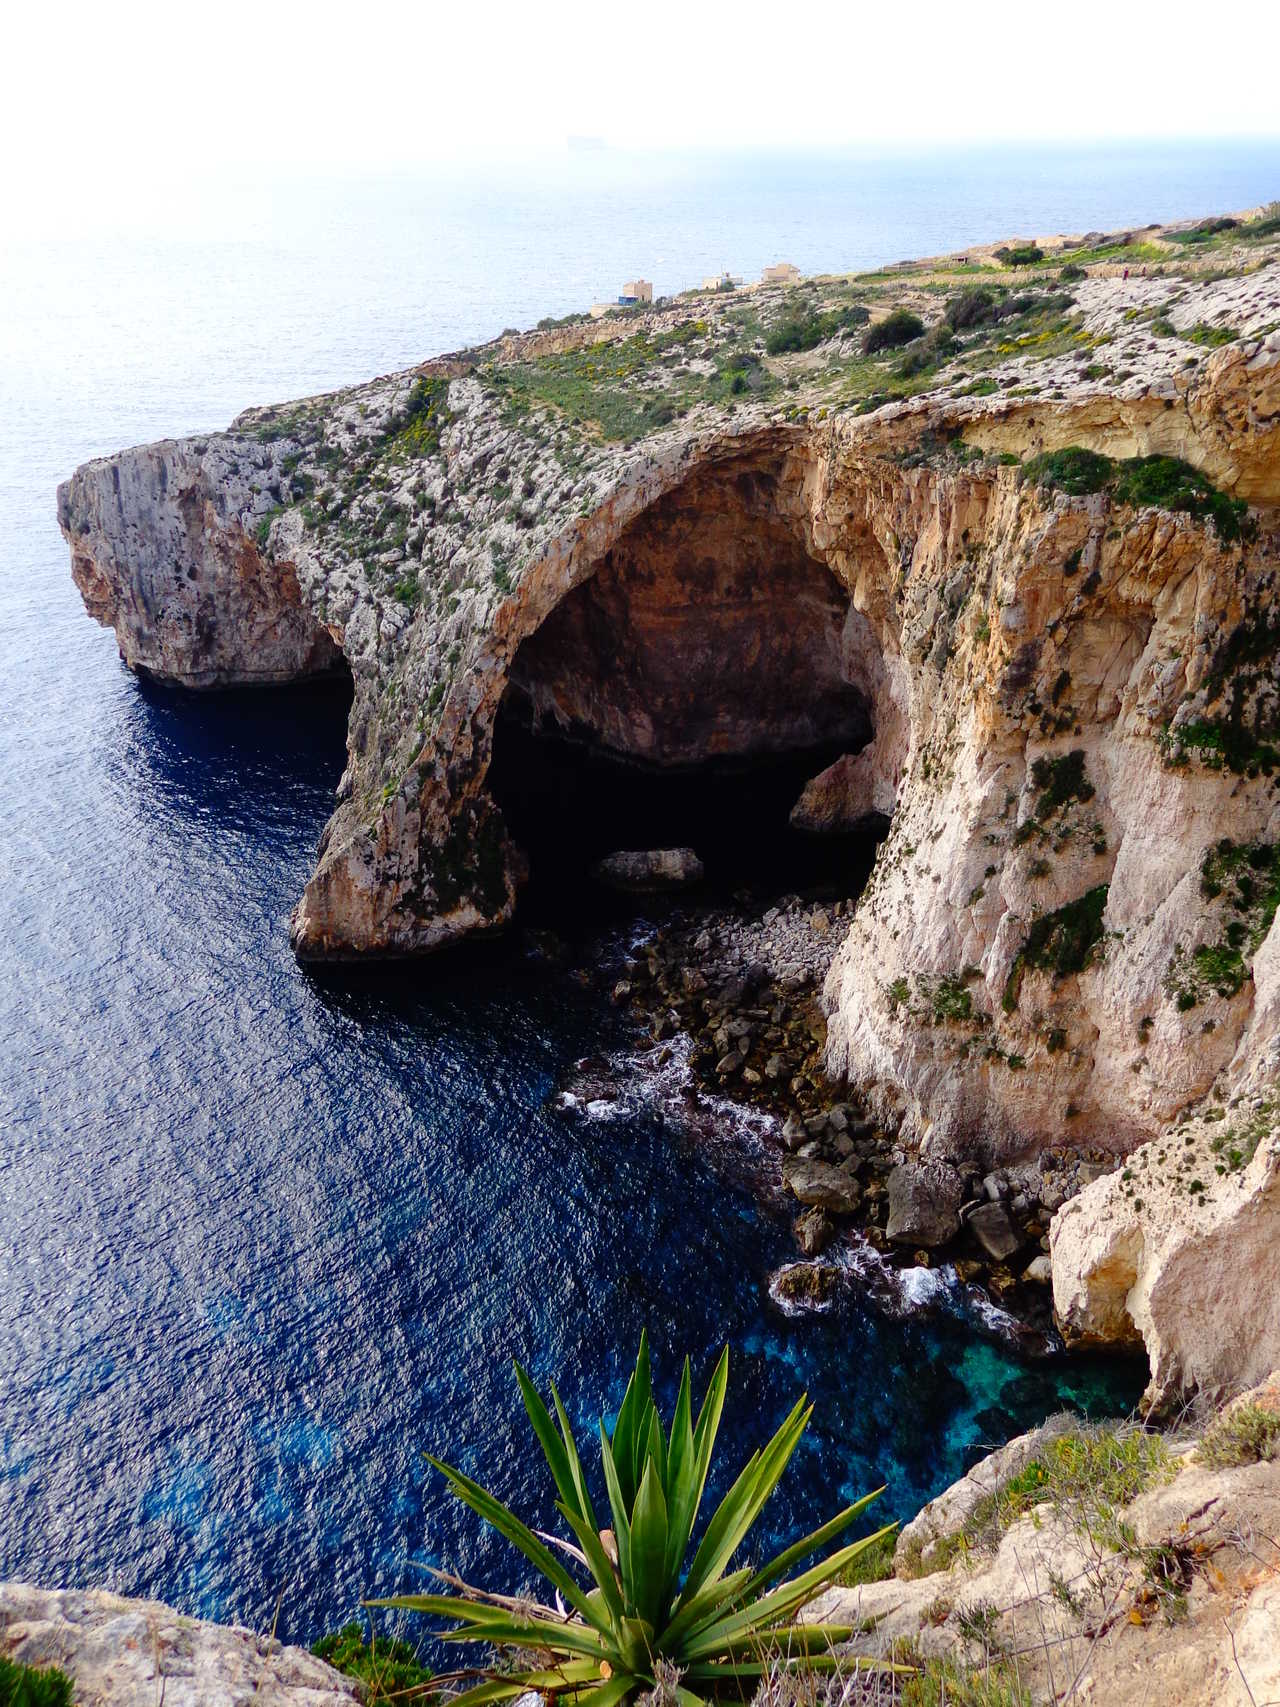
x=742 y=981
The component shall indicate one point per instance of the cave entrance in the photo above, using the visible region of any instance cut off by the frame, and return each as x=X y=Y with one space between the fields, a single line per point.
x=684 y=696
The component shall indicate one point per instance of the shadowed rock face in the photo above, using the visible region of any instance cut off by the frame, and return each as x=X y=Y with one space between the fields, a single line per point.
x=707 y=632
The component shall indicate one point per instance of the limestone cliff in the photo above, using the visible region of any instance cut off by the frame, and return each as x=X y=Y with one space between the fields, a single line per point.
x=1095 y=1564
x=117 y=1650
x=752 y=525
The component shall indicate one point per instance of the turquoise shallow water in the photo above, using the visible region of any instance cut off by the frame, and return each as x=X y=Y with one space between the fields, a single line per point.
x=265 y=1237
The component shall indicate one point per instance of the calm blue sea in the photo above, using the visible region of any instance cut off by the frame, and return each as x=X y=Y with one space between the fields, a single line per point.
x=265 y=1238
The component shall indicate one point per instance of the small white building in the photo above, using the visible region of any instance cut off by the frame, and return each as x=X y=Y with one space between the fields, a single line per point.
x=782 y=272
x=636 y=293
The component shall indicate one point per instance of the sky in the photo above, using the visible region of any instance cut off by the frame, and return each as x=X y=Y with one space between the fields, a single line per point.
x=99 y=98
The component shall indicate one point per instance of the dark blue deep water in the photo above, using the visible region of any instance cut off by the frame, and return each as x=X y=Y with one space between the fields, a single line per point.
x=264 y=1237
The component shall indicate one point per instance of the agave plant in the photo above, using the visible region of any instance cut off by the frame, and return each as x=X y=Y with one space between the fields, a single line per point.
x=652 y=1620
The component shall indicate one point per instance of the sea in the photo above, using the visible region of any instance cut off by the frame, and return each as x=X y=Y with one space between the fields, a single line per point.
x=268 y=1237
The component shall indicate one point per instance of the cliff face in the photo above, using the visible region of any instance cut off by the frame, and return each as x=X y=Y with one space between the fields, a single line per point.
x=1058 y=674
x=1094 y=1564
x=159 y=553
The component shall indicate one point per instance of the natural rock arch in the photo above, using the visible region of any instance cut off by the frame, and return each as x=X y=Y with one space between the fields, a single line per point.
x=707 y=667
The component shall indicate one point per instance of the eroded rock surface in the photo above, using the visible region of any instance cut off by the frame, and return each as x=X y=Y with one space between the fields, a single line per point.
x=118 y=1651
x=1168 y=1591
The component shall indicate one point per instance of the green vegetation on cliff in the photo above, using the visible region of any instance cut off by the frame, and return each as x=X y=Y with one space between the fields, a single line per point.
x=32 y=1686
x=388 y=1669
x=655 y=1619
x=1062 y=942
x=1162 y=482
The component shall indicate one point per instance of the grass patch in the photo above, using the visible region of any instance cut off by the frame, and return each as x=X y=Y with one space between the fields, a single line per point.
x=388 y=1669
x=1118 y=249
x=1063 y=942
x=621 y=392
x=33 y=1686
x=946 y=1683
x=1087 y=1475
x=1248 y=1434
x=806 y=330
x=874 y=1565
x=1201 y=233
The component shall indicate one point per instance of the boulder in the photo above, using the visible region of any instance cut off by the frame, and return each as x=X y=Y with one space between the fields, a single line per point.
x=991 y=1226
x=924 y=1204
x=651 y=869
x=805 y=1285
x=814 y=1231
x=821 y=1184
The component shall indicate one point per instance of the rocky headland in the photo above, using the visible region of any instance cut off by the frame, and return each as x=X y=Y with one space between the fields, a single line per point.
x=993 y=543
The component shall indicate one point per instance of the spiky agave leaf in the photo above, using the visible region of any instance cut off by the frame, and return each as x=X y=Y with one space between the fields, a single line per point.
x=639 y=1622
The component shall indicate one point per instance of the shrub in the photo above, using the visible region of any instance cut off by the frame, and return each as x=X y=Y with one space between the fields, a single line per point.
x=653 y=1620
x=1060 y=781
x=806 y=330
x=1171 y=484
x=970 y=308
x=1165 y=482
x=388 y=1669
x=1021 y=255
x=1201 y=233
x=30 y=1686
x=951 y=1000
x=898 y=328
x=1248 y=1434
x=1071 y=274
x=1212 y=337
x=927 y=353
x=1073 y=470
x=1062 y=942
x=414 y=429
